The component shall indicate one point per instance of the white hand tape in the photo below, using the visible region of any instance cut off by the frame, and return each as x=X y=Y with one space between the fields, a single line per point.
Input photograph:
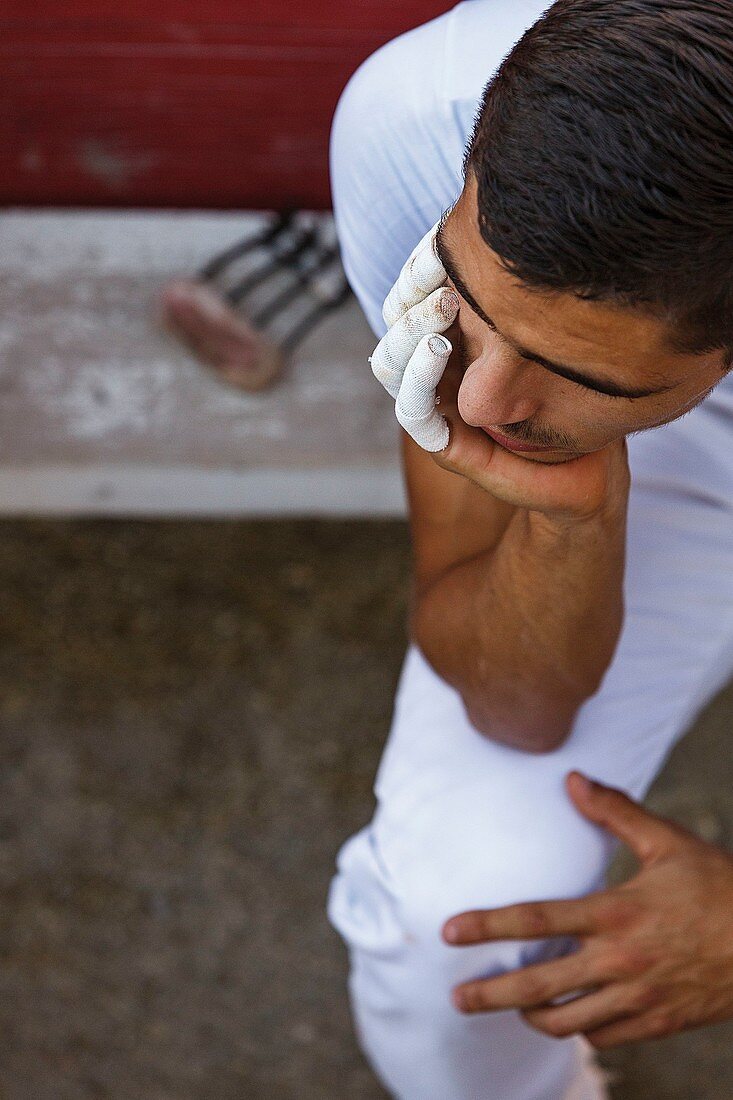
x=393 y=352
x=421 y=274
x=415 y=406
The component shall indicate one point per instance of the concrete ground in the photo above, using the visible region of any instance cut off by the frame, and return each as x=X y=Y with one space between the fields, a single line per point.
x=191 y=716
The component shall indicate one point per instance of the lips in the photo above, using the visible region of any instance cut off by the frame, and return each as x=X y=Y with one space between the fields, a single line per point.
x=511 y=445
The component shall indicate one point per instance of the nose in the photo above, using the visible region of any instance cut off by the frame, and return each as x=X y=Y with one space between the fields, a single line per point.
x=499 y=389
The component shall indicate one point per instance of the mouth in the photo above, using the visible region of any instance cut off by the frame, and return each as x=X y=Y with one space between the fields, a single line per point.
x=510 y=445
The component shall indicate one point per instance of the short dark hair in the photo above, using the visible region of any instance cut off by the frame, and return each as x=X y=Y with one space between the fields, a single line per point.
x=603 y=153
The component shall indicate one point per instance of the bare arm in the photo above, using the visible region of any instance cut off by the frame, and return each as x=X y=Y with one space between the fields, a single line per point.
x=526 y=632
x=518 y=599
x=519 y=611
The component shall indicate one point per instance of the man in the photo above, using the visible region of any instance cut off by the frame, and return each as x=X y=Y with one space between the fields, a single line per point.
x=573 y=603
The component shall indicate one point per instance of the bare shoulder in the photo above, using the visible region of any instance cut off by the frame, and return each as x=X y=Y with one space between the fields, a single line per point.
x=451 y=519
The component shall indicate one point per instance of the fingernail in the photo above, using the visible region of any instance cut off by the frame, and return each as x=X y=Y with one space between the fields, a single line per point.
x=449 y=303
x=439 y=345
x=450 y=933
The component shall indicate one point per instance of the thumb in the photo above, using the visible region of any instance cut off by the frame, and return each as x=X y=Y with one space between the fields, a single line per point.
x=649 y=836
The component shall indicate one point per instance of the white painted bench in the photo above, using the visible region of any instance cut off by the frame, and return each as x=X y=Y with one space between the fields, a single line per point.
x=103 y=413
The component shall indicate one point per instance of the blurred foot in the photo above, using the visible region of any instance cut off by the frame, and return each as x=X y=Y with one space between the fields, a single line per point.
x=219 y=336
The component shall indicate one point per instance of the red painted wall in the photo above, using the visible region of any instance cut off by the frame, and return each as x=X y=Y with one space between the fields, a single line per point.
x=189 y=103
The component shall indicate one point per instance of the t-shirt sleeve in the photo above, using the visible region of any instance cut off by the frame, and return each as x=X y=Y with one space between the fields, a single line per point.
x=395 y=161
x=400 y=131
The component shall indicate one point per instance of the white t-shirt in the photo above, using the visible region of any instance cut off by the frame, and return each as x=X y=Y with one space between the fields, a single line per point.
x=399 y=134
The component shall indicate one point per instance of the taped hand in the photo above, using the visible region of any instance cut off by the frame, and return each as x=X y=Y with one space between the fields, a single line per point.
x=410 y=358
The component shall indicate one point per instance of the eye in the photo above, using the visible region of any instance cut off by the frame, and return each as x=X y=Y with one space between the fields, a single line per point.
x=611 y=396
x=608 y=396
x=492 y=327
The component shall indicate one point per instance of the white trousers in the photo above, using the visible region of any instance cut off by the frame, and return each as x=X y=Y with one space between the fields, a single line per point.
x=462 y=822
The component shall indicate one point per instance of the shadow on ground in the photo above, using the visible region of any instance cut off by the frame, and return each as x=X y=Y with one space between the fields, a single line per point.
x=192 y=716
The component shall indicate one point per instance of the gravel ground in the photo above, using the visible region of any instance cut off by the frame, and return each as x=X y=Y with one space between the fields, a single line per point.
x=192 y=714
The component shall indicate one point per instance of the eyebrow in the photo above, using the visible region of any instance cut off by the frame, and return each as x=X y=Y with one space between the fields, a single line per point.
x=601 y=385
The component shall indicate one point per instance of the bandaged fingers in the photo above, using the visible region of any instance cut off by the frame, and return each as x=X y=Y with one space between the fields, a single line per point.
x=421 y=274
x=433 y=314
x=410 y=358
x=416 y=406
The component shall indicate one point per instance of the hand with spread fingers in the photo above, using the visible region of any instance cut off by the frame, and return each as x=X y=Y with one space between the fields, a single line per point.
x=656 y=953
x=416 y=364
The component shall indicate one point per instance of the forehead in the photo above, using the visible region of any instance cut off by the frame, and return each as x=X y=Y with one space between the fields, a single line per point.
x=600 y=339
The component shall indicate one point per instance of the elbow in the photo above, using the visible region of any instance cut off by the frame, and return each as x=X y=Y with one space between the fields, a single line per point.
x=534 y=735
